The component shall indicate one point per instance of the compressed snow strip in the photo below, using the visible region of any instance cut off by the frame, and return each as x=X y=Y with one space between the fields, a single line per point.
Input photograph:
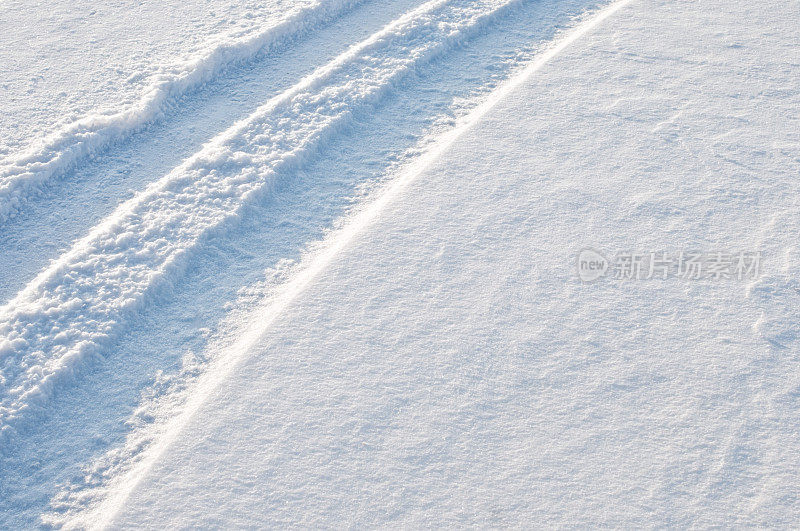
x=75 y=308
x=26 y=174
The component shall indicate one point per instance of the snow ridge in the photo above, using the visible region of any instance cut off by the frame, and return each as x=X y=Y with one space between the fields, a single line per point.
x=75 y=309
x=26 y=174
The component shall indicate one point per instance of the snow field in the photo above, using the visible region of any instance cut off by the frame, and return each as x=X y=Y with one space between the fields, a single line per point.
x=430 y=358
x=76 y=307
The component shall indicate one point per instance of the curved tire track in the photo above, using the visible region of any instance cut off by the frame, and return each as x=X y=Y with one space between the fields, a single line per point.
x=26 y=174
x=76 y=308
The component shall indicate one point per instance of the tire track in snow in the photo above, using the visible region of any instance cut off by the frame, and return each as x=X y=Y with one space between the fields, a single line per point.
x=145 y=377
x=76 y=308
x=24 y=175
x=55 y=218
x=106 y=504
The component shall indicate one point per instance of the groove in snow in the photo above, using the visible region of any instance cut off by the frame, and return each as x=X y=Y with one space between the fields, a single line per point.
x=74 y=309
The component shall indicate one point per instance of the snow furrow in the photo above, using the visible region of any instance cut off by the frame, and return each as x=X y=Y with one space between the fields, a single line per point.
x=24 y=175
x=76 y=308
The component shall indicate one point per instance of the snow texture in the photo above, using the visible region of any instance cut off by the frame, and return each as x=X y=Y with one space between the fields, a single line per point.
x=27 y=173
x=446 y=367
x=427 y=354
x=78 y=305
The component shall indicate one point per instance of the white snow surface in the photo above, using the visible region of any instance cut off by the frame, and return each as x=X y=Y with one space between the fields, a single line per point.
x=427 y=355
x=64 y=61
x=51 y=155
x=78 y=304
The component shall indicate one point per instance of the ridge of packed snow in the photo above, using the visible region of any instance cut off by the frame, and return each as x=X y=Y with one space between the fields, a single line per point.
x=74 y=309
x=27 y=173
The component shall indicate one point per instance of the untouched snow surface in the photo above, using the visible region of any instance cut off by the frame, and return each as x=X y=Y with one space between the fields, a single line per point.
x=428 y=356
